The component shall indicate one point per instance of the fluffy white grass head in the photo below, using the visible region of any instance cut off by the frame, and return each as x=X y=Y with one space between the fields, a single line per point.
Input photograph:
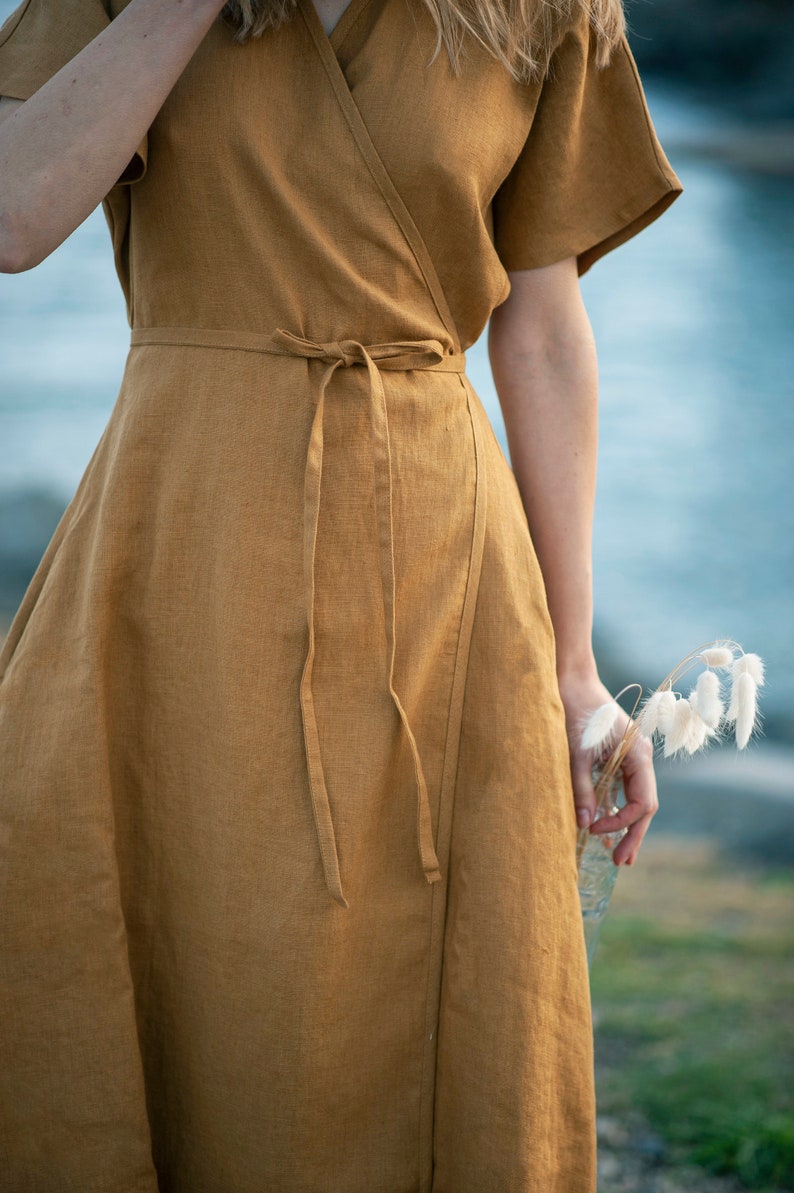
x=665 y=711
x=599 y=729
x=675 y=738
x=709 y=699
x=750 y=664
x=649 y=717
x=697 y=730
x=745 y=699
x=717 y=656
x=657 y=713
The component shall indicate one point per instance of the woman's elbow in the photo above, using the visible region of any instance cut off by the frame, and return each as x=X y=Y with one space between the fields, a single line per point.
x=13 y=262
x=543 y=314
x=16 y=253
x=10 y=260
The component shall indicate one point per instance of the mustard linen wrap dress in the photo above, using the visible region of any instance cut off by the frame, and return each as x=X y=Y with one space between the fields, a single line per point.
x=287 y=862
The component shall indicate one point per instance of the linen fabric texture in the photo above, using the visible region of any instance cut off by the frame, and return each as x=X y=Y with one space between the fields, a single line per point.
x=186 y=1005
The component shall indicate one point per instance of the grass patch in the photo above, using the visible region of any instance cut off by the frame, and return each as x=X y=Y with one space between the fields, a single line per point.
x=692 y=996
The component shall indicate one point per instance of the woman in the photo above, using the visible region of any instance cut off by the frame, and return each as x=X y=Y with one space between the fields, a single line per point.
x=290 y=895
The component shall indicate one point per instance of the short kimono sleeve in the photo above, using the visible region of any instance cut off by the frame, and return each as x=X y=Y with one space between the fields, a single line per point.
x=39 y=38
x=591 y=173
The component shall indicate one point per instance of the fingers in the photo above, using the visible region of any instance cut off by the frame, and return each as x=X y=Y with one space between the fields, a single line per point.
x=579 y=698
x=583 y=791
x=642 y=803
x=625 y=852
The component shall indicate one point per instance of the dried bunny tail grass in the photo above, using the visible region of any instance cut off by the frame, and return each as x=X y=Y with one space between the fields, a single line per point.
x=521 y=34
x=717 y=656
x=657 y=715
x=682 y=724
x=676 y=737
x=599 y=728
x=649 y=717
x=697 y=731
x=744 y=707
x=708 y=696
x=666 y=711
x=750 y=664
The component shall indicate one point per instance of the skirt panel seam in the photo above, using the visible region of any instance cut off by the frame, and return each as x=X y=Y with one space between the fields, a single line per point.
x=448 y=783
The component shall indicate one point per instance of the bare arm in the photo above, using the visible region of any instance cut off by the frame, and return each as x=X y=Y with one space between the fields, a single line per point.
x=544 y=364
x=74 y=137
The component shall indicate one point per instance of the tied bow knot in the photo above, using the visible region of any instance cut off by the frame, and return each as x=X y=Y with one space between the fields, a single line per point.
x=408 y=354
x=416 y=354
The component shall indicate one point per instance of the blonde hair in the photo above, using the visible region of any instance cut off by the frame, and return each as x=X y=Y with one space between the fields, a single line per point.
x=521 y=34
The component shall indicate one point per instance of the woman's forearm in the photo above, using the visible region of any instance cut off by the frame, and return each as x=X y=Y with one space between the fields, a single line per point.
x=544 y=365
x=64 y=148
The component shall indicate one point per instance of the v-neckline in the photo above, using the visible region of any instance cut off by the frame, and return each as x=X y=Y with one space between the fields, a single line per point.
x=342 y=26
x=327 y=50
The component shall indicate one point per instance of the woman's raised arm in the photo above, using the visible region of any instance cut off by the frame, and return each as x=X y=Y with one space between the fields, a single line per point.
x=544 y=366
x=63 y=149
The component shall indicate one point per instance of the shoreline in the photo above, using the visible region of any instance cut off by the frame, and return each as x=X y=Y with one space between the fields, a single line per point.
x=766 y=148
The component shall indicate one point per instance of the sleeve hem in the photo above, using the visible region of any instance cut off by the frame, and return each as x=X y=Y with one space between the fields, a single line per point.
x=599 y=239
x=10 y=26
x=137 y=166
x=646 y=216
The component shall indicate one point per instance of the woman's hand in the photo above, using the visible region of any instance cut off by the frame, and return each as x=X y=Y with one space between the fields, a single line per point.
x=580 y=698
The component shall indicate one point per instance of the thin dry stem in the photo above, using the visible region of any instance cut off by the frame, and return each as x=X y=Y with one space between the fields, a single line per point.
x=691 y=660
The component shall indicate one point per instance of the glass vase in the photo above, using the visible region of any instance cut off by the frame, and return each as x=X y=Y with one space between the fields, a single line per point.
x=597 y=871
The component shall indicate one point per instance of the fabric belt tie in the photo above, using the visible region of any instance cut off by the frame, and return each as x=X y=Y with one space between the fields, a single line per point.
x=418 y=354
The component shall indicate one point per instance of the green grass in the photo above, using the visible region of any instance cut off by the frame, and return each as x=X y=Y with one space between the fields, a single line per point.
x=693 y=996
